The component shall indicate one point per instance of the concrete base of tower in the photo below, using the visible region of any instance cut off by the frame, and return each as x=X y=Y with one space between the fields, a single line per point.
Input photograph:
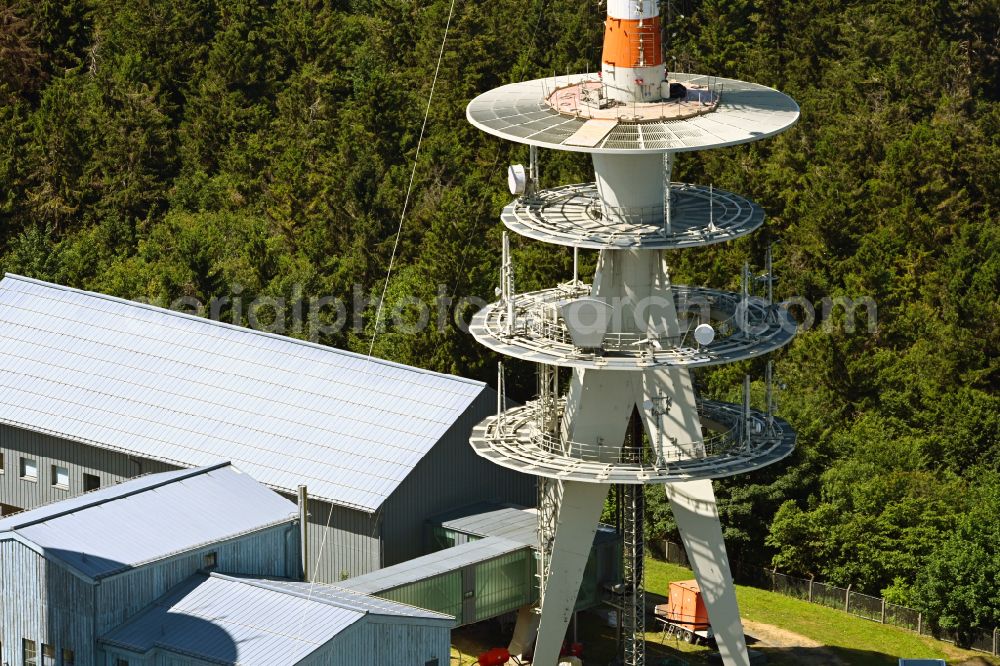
x=697 y=517
x=576 y=523
x=634 y=84
x=525 y=631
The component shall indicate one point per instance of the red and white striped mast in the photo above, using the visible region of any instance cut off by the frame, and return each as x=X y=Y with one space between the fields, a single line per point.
x=632 y=64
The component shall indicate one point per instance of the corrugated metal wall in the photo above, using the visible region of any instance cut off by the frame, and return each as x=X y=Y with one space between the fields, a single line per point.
x=352 y=543
x=475 y=592
x=441 y=593
x=259 y=554
x=44 y=603
x=109 y=466
x=505 y=584
x=451 y=476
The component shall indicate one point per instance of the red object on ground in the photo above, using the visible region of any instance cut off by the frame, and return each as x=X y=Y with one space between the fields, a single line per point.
x=571 y=649
x=686 y=607
x=494 y=657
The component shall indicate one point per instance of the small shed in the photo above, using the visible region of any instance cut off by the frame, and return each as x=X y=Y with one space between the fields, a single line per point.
x=473 y=582
x=520 y=524
x=218 y=619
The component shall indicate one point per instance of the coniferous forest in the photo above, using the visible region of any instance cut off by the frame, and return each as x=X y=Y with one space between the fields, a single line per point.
x=178 y=151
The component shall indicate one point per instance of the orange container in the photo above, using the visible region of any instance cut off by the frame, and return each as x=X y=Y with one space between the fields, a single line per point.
x=685 y=607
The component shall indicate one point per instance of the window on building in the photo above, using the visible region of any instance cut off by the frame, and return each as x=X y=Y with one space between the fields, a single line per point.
x=210 y=560
x=432 y=662
x=29 y=652
x=1 y=463
x=91 y=482
x=48 y=655
x=121 y=662
x=68 y=657
x=29 y=469
x=60 y=476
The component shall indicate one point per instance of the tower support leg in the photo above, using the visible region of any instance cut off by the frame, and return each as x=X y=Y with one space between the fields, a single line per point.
x=525 y=631
x=576 y=523
x=697 y=516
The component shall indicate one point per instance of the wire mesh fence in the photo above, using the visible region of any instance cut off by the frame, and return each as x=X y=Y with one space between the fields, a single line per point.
x=675 y=554
x=789 y=586
x=865 y=606
x=985 y=641
x=829 y=595
x=901 y=616
x=872 y=608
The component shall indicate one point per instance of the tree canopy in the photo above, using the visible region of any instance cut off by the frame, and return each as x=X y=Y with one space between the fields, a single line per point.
x=233 y=150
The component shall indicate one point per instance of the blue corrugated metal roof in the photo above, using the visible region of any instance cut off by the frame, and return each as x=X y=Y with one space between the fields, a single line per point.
x=146 y=519
x=248 y=621
x=192 y=391
x=435 y=564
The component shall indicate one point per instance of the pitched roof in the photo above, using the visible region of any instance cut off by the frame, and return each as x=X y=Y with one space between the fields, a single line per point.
x=192 y=391
x=433 y=564
x=253 y=621
x=110 y=530
x=509 y=521
x=515 y=523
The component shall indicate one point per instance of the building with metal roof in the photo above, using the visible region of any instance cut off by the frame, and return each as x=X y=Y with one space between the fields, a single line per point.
x=484 y=563
x=74 y=570
x=96 y=389
x=147 y=519
x=472 y=582
x=218 y=619
x=485 y=519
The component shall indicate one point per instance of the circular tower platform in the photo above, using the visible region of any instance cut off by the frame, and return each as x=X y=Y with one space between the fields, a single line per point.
x=539 y=333
x=741 y=112
x=515 y=440
x=575 y=216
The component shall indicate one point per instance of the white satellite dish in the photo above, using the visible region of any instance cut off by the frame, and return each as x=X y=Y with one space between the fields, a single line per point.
x=517 y=179
x=704 y=334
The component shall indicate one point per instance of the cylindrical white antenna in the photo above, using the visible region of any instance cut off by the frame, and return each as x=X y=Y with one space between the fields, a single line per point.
x=668 y=167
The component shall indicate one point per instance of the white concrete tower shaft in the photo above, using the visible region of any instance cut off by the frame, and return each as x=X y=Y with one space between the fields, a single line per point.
x=599 y=403
x=632 y=61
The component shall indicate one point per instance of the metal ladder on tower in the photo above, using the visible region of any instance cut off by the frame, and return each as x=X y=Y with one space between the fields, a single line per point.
x=646 y=37
x=548 y=507
x=549 y=490
x=633 y=563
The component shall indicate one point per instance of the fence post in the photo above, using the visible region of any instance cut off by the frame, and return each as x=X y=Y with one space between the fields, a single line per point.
x=812 y=577
x=883 y=610
x=920 y=623
x=847 y=598
x=996 y=644
x=773 y=572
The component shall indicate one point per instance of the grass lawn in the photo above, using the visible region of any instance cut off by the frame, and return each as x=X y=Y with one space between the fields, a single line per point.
x=858 y=642
x=853 y=639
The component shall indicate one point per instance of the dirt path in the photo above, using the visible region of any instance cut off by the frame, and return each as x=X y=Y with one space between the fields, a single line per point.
x=805 y=651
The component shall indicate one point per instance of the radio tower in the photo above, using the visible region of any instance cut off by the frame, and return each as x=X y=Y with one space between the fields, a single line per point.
x=631 y=338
